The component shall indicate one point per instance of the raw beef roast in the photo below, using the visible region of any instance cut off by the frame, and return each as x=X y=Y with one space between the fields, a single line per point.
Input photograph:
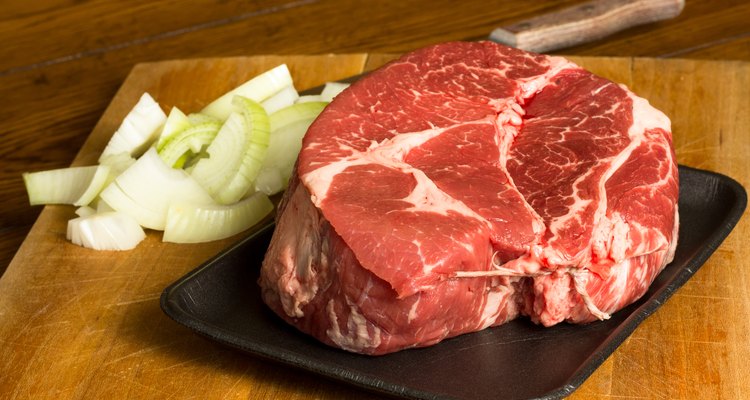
x=465 y=185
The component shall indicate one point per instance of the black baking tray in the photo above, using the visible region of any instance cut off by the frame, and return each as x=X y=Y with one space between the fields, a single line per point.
x=519 y=360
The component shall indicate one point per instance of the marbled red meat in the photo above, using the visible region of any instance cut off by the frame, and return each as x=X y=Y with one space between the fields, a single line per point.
x=467 y=184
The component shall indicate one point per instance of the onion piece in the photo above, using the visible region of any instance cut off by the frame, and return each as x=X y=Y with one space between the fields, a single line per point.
x=138 y=130
x=295 y=114
x=85 y=211
x=102 y=177
x=148 y=187
x=188 y=142
x=224 y=155
x=285 y=98
x=102 y=206
x=257 y=89
x=288 y=126
x=198 y=118
x=332 y=89
x=308 y=98
x=188 y=223
x=176 y=122
x=117 y=163
x=235 y=155
x=270 y=181
x=74 y=185
x=148 y=217
x=105 y=231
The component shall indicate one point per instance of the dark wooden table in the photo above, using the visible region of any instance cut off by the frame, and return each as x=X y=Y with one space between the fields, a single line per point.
x=62 y=61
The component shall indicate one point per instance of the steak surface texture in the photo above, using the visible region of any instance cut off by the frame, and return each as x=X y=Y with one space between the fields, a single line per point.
x=467 y=184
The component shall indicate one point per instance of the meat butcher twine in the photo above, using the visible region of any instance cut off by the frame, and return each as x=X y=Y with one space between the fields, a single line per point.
x=467 y=184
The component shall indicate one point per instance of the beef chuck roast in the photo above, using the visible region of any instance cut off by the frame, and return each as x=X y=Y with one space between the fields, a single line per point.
x=464 y=185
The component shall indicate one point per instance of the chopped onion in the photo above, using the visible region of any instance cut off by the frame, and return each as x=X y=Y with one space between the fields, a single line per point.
x=138 y=130
x=224 y=155
x=308 y=98
x=176 y=149
x=295 y=114
x=102 y=206
x=118 y=162
x=288 y=126
x=188 y=223
x=285 y=98
x=176 y=122
x=331 y=90
x=257 y=89
x=148 y=187
x=258 y=125
x=235 y=155
x=85 y=211
x=195 y=176
x=145 y=215
x=270 y=181
x=74 y=185
x=105 y=231
x=198 y=118
x=101 y=178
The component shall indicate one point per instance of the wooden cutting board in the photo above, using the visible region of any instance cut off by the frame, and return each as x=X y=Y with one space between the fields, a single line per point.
x=76 y=323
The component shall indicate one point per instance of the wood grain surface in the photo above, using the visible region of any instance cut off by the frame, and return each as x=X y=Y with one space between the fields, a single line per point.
x=81 y=324
x=62 y=61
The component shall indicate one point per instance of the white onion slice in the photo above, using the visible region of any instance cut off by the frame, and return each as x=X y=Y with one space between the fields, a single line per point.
x=257 y=89
x=148 y=187
x=105 y=231
x=74 y=185
x=331 y=90
x=224 y=155
x=85 y=211
x=101 y=178
x=138 y=130
x=117 y=162
x=176 y=149
x=102 y=206
x=176 y=122
x=288 y=126
x=235 y=155
x=270 y=181
x=285 y=98
x=198 y=118
x=295 y=114
x=115 y=198
x=308 y=98
x=187 y=223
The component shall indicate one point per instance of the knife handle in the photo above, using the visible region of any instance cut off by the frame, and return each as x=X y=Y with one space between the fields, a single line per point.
x=584 y=23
